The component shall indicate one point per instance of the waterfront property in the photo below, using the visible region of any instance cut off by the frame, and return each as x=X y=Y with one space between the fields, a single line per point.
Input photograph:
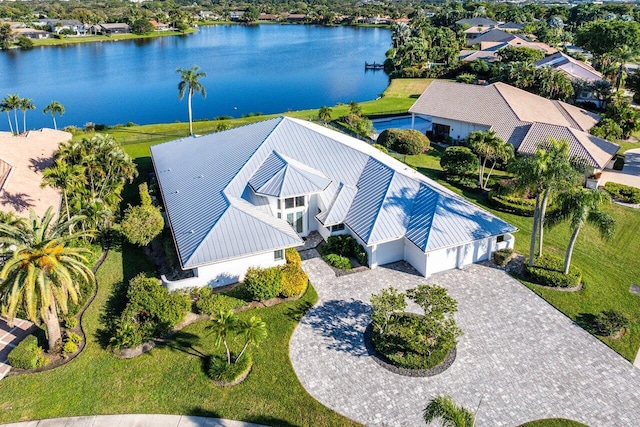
x=22 y=160
x=518 y=117
x=237 y=199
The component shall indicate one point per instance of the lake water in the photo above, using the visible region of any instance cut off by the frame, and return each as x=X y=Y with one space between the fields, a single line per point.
x=265 y=68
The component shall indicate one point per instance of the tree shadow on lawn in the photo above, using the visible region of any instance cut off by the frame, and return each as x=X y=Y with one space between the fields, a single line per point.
x=297 y=311
x=344 y=322
x=587 y=322
x=184 y=342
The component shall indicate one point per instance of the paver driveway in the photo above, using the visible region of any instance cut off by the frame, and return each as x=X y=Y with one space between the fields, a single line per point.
x=519 y=358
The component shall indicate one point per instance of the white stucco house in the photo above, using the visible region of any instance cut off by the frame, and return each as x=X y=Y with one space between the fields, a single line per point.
x=238 y=198
x=518 y=117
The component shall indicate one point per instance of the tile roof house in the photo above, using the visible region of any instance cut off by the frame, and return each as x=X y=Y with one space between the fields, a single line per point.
x=518 y=117
x=238 y=198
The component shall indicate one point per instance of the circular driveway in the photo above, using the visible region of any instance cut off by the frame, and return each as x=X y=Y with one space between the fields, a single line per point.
x=518 y=360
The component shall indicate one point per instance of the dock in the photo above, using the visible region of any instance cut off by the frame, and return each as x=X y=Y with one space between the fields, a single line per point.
x=373 y=66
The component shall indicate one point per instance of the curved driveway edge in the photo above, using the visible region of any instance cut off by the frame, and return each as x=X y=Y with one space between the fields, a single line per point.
x=519 y=358
x=133 y=420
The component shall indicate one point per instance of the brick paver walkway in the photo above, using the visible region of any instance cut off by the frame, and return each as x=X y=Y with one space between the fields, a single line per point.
x=518 y=360
x=10 y=336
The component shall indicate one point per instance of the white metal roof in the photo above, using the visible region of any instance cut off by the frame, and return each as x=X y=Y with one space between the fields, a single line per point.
x=215 y=215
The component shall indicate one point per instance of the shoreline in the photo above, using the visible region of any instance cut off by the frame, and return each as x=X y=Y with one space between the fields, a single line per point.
x=72 y=40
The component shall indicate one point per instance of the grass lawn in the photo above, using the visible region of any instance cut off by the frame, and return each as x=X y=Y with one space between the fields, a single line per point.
x=608 y=268
x=398 y=97
x=114 y=38
x=169 y=379
x=553 y=422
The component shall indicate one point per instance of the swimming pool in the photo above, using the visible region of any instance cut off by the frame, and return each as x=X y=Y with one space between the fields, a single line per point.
x=401 y=122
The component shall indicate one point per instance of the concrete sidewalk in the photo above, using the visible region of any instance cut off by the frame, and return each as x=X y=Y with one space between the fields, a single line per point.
x=133 y=420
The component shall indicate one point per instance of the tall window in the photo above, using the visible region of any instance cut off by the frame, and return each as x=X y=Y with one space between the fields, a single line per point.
x=278 y=255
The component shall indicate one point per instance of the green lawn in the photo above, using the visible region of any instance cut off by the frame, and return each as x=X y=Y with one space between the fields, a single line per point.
x=169 y=379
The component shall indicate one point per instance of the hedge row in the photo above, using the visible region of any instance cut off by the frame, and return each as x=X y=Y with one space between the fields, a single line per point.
x=288 y=281
x=623 y=193
x=547 y=270
x=512 y=204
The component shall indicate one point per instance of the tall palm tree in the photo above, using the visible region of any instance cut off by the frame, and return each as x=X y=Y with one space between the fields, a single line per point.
x=189 y=83
x=6 y=108
x=12 y=103
x=620 y=56
x=26 y=104
x=54 y=108
x=65 y=177
x=43 y=272
x=446 y=410
x=549 y=170
x=254 y=331
x=581 y=207
x=324 y=114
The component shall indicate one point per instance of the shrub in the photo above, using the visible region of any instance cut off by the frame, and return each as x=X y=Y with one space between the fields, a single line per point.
x=220 y=370
x=74 y=338
x=337 y=261
x=210 y=302
x=345 y=246
x=263 y=283
x=69 y=347
x=155 y=304
x=512 y=204
x=609 y=323
x=466 y=78
x=381 y=148
x=128 y=333
x=404 y=141
x=70 y=322
x=144 y=222
x=547 y=271
x=27 y=354
x=502 y=256
x=294 y=281
x=623 y=193
x=459 y=161
x=293 y=257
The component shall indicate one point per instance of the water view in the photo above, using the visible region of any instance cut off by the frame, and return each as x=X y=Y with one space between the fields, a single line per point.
x=250 y=69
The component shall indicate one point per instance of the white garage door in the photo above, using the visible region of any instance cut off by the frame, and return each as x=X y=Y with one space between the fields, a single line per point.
x=441 y=260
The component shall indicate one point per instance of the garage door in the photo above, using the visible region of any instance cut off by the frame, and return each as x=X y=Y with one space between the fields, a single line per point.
x=441 y=260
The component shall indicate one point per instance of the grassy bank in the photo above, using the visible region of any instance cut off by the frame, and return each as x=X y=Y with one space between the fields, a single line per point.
x=398 y=97
x=117 y=37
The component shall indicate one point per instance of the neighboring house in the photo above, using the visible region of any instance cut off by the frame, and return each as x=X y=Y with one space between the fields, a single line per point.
x=57 y=25
x=239 y=198
x=511 y=27
x=495 y=35
x=113 y=28
x=518 y=117
x=207 y=14
x=490 y=50
x=377 y=20
x=489 y=56
x=236 y=15
x=296 y=17
x=22 y=160
x=30 y=33
x=268 y=17
x=576 y=70
x=159 y=26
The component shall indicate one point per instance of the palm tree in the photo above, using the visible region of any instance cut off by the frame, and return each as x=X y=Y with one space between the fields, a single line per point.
x=54 y=108
x=43 y=272
x=254 y=331
x=620 y=56
x=12 y=103
x=6 y=108
x=65 y=177
x=223 y=324
x=324 y=114
x=190 y=81
x=581 y=207
x=451 y=415
x=26 y=104
x=549 y=170
x=489 y=147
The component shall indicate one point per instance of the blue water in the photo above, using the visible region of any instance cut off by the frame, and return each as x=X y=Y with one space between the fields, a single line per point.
x=399 y=122
x=250 y=69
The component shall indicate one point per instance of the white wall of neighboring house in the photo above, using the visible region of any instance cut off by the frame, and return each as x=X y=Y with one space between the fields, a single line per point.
x=459 y=130
x=414 y=256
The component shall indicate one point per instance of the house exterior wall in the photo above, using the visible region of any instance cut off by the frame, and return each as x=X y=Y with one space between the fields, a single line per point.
x=441 y=260
x=384 y=253
x=224 y=273
x=414 y=256
x=459 y=130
